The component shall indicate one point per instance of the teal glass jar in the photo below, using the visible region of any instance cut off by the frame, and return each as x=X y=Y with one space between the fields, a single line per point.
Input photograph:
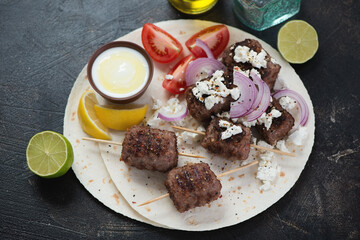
x=262 y=14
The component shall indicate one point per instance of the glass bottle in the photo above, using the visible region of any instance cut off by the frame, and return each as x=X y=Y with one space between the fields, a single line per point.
x=262 y=14
x=193 y=6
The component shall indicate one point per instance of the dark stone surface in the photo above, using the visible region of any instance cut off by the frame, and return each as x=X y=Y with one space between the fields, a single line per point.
x=45 y=44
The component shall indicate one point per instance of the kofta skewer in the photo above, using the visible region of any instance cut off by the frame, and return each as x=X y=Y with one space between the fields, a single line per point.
x=118 y=143
x=150 y=148
x=194 y=184
x=251 y=145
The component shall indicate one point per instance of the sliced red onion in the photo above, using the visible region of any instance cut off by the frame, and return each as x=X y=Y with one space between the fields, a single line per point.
x=262 y=100
x=200 y=43
x=247 y=97
x=264 y=104
x=303 y=107
x=201 y=68
x=170 y=117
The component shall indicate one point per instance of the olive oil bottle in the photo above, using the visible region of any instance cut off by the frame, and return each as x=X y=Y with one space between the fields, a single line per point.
x=193 y=6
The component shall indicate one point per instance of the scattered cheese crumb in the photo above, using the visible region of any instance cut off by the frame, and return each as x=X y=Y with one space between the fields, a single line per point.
x=243 y=54
x=267 y=119
x=282 y=146
x=287 y=103
x=298 y=136
x=231 y=129
x=268 y=169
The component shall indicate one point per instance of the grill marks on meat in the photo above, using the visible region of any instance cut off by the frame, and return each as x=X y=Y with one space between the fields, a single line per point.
x=150 y=148
x=280 y=126
x=192 y=185
x=268 y=74
x=237 y=146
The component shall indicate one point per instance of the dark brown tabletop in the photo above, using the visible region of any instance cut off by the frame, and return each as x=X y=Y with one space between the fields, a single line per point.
x=45 y=44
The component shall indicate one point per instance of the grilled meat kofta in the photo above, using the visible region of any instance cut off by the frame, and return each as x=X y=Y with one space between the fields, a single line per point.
x=279 y=127
x=210 y=96
x=266 y=65
x=192 y=185
x=228 y=139
x=198 y=110
x=150 y=148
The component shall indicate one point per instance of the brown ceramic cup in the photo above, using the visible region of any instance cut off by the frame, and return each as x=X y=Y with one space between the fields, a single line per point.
x=131 y=45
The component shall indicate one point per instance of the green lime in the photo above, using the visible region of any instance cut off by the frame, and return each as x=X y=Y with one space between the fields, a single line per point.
x=297 y=41
x=49 y=154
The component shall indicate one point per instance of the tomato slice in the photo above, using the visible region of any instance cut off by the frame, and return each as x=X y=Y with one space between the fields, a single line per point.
x=177 y=84
x=161 y=46
x=216 y=37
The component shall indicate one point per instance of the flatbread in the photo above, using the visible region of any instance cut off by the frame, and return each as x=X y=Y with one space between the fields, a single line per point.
x=88 y=165
x=241 y=198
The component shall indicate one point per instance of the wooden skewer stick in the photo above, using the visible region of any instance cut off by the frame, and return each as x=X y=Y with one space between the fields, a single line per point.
x=251 y=145
x=218 y=176
x=117 y=143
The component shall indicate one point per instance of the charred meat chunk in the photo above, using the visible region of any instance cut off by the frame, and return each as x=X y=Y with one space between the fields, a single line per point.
x=268 y=74
x=192 y=185
x=198 y=110
x=236 y=146
x=150 y=148
x=211 y=96
x=280 y=126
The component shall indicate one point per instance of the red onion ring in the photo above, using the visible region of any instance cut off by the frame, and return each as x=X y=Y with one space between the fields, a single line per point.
x=200 y=43
x=247 y=97
x=196 y=69
x=262 y=101
x=303 y=107
x=173 y=117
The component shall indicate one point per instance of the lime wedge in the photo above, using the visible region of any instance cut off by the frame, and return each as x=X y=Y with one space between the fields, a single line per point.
x=49 y=154
x=297 y=41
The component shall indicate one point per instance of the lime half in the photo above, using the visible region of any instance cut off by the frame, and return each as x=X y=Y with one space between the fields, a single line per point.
x=297 y=41
x=49 y=154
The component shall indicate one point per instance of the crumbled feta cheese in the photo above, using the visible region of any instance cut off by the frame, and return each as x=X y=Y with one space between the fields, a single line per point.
x=267 y=119
x=157 y=104
x=224 y=115
x=235 y=93
x=298 y=136
x=215 y=89
x=287 y=103
x=263 y=144
x=191 y=138
x=172 y=106
x=210 y=101
x=268 y=169
x=273 y=60
x=243 y=54
x=181 y=89
x=231 y=129
x=282 y=146
x=249 y=124
x=245 y=73
x=254 y=71
x=169 y=77
x=154 y=121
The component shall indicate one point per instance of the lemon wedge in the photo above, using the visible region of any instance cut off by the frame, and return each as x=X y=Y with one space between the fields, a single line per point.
x=89 y=122
x=297 y=41
x=120 y=117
